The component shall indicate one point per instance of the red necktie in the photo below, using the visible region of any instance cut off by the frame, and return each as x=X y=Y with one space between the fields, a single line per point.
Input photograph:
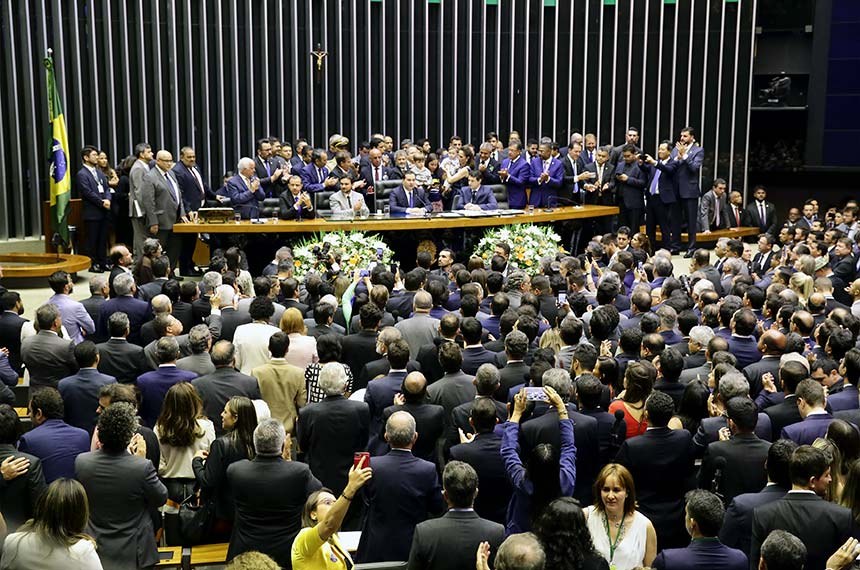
x=737 y=217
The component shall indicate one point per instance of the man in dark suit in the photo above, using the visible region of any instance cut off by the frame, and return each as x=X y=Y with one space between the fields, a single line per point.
x=661 y=462
x=482 y=452
x=544 y=428
x=811 y=400
x=381 y=366
x=155 y=384
x=81 y=392
x=740 y=457
x=121 y=487
x=403 y=492
x=600 y=189
x=663 y=205
x=514 y=173
x=381 y=391
x=451 y=540
x=48 y=357
x=11 y=323
x=160 y=270
x=486 y=165
x=733 y=212
x=455 y=387
x=474 y=355
x=743 y=344
x=821 y=525
x=408 y=198
x=475 y=196
x=429 y=418
x=689 y=155
x=290 y=294
x=486 y=385
x=19 y=494
x=138 y=311
x=269 y=493
x=847 y=398
x=267 y=169
x=324 y=322
x=630 y=182
x=515 y=370
x=761 y=261
x=575 y=175
x=360 y=348
x=737 y=524
x=843 y=264
x=761 y=213
x=244 y=190
x=194 y=192
x=315 y=176
x=547 y=175
x=784 y=414
x=226 y=382
x=611 y=431
x=771 y=344
x=428 y=355
x=295 y=204
x=98 y=295
x=92 y=187
x=704 y=517
x=119 y=358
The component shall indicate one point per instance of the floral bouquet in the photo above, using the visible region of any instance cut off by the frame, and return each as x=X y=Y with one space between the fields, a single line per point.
x=350 y=250
x=529 y=243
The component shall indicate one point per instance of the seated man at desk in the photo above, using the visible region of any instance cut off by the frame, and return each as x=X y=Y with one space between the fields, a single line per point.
x=408 y=198
x=475 y=196
x=346 y=200
x=295 y=204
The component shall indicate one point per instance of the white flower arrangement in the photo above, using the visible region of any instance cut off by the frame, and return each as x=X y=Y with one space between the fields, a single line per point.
x=352 y=250
x=529 y=243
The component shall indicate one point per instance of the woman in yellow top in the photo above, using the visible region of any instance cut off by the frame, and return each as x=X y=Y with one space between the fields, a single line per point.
x=317 y=547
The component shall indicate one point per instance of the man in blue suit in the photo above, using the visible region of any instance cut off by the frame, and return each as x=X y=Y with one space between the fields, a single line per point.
x=662 y=202
x=381 y=391
x=404 y=491
x=53 y=441
x=138 y=311
x=689 y=156
x=810 y=403
x=194 y=192
x=244 y=190
x=743 y=344
x=514 y=173
x=408 y=198
x=92 y=187
x=315 y=176
x=630 y=182
x=475 y=196
x=154 y=385
x=81 y=392
x=547 y=175
x=704 y=517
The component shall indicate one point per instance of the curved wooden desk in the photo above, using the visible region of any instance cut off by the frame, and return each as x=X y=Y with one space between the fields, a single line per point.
x=379 y=224
x=41 y=264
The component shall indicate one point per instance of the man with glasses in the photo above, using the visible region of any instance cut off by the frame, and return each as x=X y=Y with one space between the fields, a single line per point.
x=162 y=204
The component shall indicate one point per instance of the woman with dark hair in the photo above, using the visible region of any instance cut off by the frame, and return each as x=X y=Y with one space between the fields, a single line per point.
x=851 y=492
x=847 y=439
x=119 y=202
x=693 y=408
x=638 y=383
x=606 y=370
x=549 y=473
x=54 y=537
x=239 y=420
x=317 y=546
x=641 y=242
x=623 y=536
x=563 y=531
x=329 y=350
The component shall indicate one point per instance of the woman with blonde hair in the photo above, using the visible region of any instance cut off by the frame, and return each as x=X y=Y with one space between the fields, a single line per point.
x=621 y=534
x=801 y=283
x=837 y=479
x=54 y=537
x=303 y=348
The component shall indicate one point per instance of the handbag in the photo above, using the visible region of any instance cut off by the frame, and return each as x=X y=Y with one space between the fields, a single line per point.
x=196 y=518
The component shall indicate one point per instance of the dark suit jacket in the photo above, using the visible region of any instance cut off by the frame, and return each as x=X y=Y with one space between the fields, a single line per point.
x=380 y=367
x=184 y=312
x=666 y=183
x=755 y=371
x=605 y=425
x=806 y=431
x=484 y=198
x=428 y=360
x=400 y=305
x=56 y=444
x=745 y=349
x=474 y=357
x=452 y=540
x=81 y=397
x=512 y=374
x=745 y=472
x=93 y=305
x=49 y=358
x=518 y=176
x=92 y=194
x=403 y=492
x=491 y=173
x=430 y=425
x=329 y=433
x=230 y=320
x=149 y=290
x=243 y=199
x=822 y=526
x=843 y=268
x=122 y=360
x=737 y=523
x=769 y=224
x=687 y=174
x=193 y=196
x=121 y=489
x=631 y=193
x=138 y=313
x=216 y=388
x=357 y=350
x=19 y=495
x=702 y=553
x=153 y=387
x=709 y=431
x=398 y=202
x=845 y=399
x=782 y=415
x=606 y=197
x=288 y=211
x=269 y=494
x=311 y=181
x=484 y=455
x=452 y=390
x=10 y=337
x=729 y=216
x=661 y=462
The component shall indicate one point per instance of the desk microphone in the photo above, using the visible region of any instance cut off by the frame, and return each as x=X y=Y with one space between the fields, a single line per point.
x=717 y=481
x=619 y=431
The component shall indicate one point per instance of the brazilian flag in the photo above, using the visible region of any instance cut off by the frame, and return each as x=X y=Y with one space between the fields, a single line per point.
x=58 y=155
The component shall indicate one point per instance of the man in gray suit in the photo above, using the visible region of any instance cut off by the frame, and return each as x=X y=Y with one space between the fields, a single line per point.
x=455 y=387
x=48 y=357
x=711 y=208
x=139 y=170
x=121 y=487
x=347 y=201
x=419 y=329
x=162 y=204
x=200 y=362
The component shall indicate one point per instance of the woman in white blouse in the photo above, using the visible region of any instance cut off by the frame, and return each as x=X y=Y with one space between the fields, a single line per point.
x=54 y=537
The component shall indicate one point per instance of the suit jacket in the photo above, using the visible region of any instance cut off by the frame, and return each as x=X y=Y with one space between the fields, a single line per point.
x=138 y=313
x=597 y=196
x=808 y=430
x=687 y=174
x=666 y=184
x=484 y=198
x=782 y=415
x=745 y=456
x=338 y=202
x=269 y=494
x=452 y=390
x=491 y=172
x=380 y=367
x=429 y=423
x=400 y=305
x=317 y=331
x=378 y=396
x=708 y=208
x=287 y=209
x=81 y=397
x=270 y=187
x=329 y=433
x=19 y=495
x=846 y=399
x=518 y=175
x=49 y=358
x=138 y=172
x=230 y=320
x=149 y=290
x=428 y=360
x=10 y=337
x=475 y=356
x=571 y=189
x=451 y=541
x=484 y=455
x=56 y=444
x=200 y=364
x=631 y=193
x=282 y=386
x=555 y=171
x=737 y=523
x=161 y=201
x=121 y=489
x=244 y=200
x=822 y=526
x=418 y=330
x=403 y=492
x=702 y=553
x=357 y=350
x=216 y=388
x=153 y=387
x=122 y=360
x=93 y=189
x=753 y=217
x=661 y=462
x=709 y=431
x=745 y=349
x=755 y=371
x=728 y=214
x=512 y=374
x=545 y=429
x=843 y=268
x=193 y=192
x=761 y=263
x=311 y=179
x=398 y=201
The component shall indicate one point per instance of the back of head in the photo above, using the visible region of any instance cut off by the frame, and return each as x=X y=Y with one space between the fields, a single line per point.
x=520 y=552
x=483 y=415
x=86 y=354
x=398 y=354
x=811 y=392
x=779 y=462
x=117 y=424
x=660 y=408
x=223 y=353
x=49 y=402
x=807 y=463
x=742 y=412
x=166 y=350
x=199 y=338
x=471 y=330
x=487 y=379
x=707 y=510
x=400 y=430
x=269 y=437
x=450 y=357
x=782 y=550
x=460 y=483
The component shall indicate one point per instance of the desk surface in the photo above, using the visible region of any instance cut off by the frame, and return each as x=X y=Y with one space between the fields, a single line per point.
x=380 y=224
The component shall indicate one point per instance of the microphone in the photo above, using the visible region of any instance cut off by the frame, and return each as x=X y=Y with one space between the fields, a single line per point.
x=717 y=481
x=618 y=433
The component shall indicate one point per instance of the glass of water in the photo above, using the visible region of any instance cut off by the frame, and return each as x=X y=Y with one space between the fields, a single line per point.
x=237 y=217
x=530 y=209
x=386 y=209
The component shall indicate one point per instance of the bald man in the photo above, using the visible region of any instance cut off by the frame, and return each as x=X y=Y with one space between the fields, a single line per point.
x=162 y=204
x=429 y=418
x=772 y=346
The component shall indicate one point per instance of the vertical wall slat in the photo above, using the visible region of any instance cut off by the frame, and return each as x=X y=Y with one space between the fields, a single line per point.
x=749 y=99
x=110 y=85
x=33 y=134
x=735 y=97
x=674 y=74
x=719 y=91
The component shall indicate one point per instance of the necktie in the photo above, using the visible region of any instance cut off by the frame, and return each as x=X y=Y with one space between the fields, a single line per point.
x=298 y=206
x=575 y=181
x=376 y=174
x=198 y=179
x=474 y=196
x=173 y=193
x=349 y=199
x=654 y=188
x=320 y=175
x=761 y=215
x=591 y=156
x=737 y=217
x=411 y=203
x=716 y=211
x=268 y=169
